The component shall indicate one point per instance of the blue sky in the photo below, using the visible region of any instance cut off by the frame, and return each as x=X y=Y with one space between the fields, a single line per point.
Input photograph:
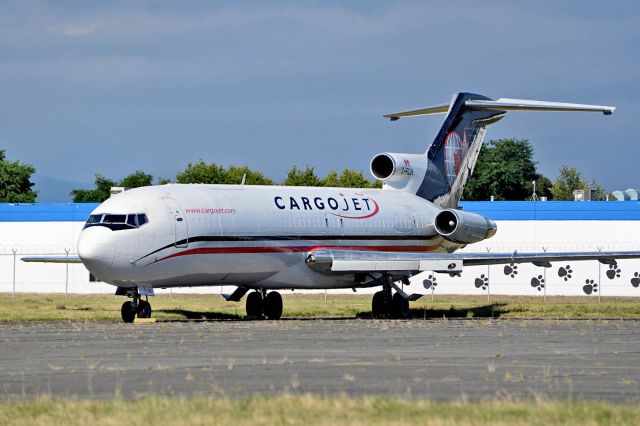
x=112 y=87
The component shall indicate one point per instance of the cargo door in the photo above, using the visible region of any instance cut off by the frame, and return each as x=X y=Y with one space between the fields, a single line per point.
x=181 y=231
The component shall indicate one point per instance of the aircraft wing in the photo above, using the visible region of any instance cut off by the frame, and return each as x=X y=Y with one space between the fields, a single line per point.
x=52 y=259
x=351 y=261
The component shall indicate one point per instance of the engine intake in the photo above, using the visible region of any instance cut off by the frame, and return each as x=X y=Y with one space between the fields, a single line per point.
x=395 y=167
x=464 y=227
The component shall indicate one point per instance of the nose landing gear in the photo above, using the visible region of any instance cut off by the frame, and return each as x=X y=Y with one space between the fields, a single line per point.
x=262 y=304
x=136 y=306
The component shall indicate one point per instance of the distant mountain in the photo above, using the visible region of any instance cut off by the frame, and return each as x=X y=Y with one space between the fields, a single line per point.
x=54 y=190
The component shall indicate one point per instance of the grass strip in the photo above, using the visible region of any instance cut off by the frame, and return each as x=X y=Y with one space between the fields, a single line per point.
x=55 y=307
x=316 y=410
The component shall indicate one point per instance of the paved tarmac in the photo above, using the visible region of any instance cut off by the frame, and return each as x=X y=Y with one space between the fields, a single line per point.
x=441 y=359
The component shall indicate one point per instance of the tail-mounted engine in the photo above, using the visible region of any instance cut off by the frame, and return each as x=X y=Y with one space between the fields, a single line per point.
x=399 y=170
x=464 y=227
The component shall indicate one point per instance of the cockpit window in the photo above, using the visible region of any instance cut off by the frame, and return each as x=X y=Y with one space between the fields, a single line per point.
x=142 y=219
x=117 y=222
x=94 y=218
x=114 y=218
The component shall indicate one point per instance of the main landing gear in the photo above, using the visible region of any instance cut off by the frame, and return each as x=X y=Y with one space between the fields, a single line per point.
x=386 y=305
x=262 y=304
x=136 y=306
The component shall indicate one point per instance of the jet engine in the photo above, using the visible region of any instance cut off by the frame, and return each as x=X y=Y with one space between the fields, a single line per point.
x=464 y=227
x=398 y=169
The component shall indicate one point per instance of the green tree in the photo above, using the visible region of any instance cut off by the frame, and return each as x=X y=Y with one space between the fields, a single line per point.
x=202 y=172
x=543 y=187
x=15 y=181
x=569 y=180
x=137 y=179
x=505 y=169
x=234 y=175
x=103 y=185
x=349 y=178
x=101 y=192
x=298 y=177
x=212 y=173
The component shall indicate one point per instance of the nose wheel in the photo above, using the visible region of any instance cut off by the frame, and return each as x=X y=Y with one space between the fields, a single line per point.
x=261 y=304
x=135 y=307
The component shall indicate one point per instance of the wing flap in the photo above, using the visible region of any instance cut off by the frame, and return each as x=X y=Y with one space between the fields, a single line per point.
x=354 y=261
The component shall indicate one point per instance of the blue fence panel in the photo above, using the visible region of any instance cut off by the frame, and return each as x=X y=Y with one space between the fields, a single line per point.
x=496 y=210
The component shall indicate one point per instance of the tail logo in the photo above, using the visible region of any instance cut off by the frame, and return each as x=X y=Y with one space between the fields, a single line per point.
x=453 y=147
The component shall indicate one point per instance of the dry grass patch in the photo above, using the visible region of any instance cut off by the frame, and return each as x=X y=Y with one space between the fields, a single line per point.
x=308 y=409
x=55 y=307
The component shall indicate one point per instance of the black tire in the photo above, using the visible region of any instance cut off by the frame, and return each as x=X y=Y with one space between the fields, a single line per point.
x=128 y=312
x=144 y=309
x=399 y=307
x=254 y=305
x=378 y=307
x=273 y=305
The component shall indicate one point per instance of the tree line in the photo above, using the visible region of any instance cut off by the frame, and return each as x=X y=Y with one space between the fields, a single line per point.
x=505 y=169
x=212 y=173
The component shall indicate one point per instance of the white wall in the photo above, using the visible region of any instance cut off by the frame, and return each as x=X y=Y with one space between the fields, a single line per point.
x=555 y=236
x=39 y=238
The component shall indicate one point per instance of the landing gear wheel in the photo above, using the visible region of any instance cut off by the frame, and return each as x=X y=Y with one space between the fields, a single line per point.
x=254 y=305
x=273 y=305
x=144 y=309
x=128 y=312
x=378 y=305
x=399 y=307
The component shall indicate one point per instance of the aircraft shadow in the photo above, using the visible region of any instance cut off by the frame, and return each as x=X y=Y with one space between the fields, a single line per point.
x=207 y=316
x=493 y=310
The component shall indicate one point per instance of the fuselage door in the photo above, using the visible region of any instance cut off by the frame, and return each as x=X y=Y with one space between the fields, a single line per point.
x=181 y=232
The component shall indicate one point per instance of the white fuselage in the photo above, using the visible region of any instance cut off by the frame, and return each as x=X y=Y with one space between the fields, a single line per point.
x=253 y=236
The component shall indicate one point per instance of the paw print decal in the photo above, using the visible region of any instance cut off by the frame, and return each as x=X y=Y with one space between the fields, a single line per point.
x=565 y=272
x=590 y=287
x=537 y=282
x=613 y=272
x=430 y=283
x=511 y=269
x=481 y=282
x=635 y=281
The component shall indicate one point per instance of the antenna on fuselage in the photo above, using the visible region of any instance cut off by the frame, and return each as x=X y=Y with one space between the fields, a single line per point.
x=244 y=179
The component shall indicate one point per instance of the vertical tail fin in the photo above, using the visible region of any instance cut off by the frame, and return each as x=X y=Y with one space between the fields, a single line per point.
x=453 y=153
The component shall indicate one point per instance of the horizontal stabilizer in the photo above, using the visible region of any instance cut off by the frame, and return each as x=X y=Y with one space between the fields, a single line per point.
x=506 y=104
x=437 y=109
x=52 y=259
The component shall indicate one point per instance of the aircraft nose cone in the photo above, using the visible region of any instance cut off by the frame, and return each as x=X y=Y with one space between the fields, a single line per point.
x=96 y=249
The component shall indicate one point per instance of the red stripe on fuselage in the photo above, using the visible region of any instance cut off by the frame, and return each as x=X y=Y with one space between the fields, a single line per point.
x=292 y=249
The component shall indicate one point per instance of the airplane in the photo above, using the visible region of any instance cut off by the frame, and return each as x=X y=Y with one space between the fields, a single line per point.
x=262 y=239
